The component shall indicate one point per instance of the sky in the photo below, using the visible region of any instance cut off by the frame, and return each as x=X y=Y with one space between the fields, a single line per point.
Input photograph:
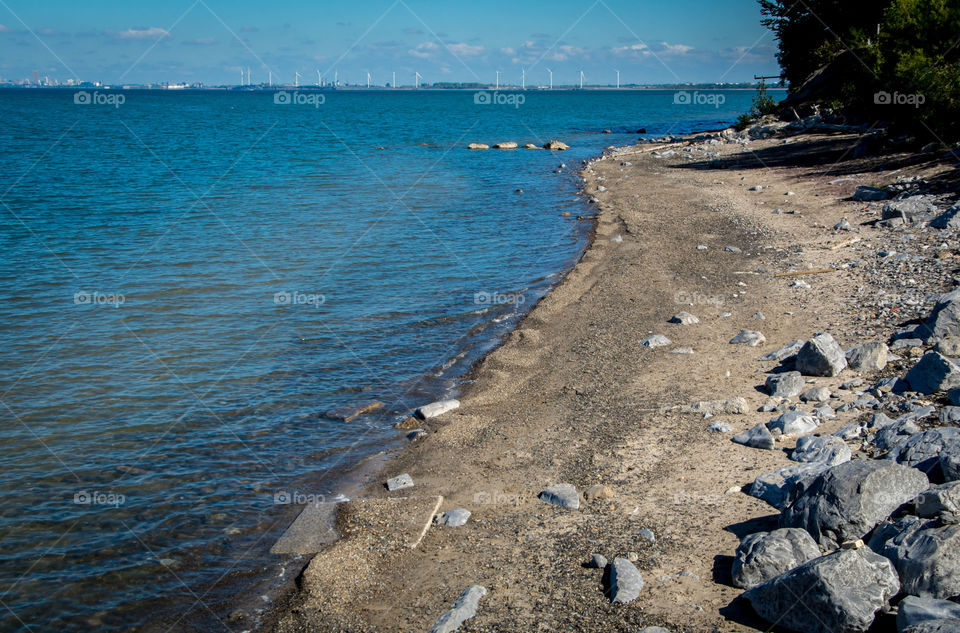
x=210 y=41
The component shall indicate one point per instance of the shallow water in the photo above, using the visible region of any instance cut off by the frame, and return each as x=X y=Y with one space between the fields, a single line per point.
x=189 y=281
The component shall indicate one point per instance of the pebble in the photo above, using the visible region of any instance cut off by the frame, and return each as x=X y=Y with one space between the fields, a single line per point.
x=598 y=561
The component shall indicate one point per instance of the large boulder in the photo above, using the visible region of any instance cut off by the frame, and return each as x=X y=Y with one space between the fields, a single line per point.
x=866 y=193
x=892 y=435
x=915 y=209
x=913 y=610
x=793 y=423
x=785 y=385
x=779 y=488
x=922 y=450
x=824 y=449
x=821 y=356
x=757 y=437
x=944 y=319
x=926 y=555
x=765 y=555
x=949 y=219
x=938 y=500
x=838 y=593
x=845 y=502
x=933 y=372
x=950 y=462
x=935 y=626
x=868 y=357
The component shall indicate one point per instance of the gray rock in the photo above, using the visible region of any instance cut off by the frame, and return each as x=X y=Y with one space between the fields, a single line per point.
x=400 y=482
x=825 y=412
x=748 y=337
x=915 y=209
x=954 y=397
x=868 y=357
x=793 y=423
x=950 y=462
x=765 y=555
x=653 y=629
x=889 y=437
x=625 y=581
x=892 y=383
x=948 y=219
x=852 y=384
x=825 y=449
x=949 y=415
x=684 y=318
x=434 y=409
x=865 y=193
x=563 y=495
x=787 y=351
x=821 y=356
x=913 y=610
x=598 y=561
x=815 y=394
x=757 y=437
x=735 y=406
x=839 y=592
x=785 y=385
x=933 y=372
x=720 y=427
x=904 y=343
x=463 y=609
x=455 y=517
x=944 y=319
x=850 y=432
x=942 y=499
x=922 y=450
x=949 y=347
x=732 y=249
x=927 y=557
x=935 y=626
x=845 y=502
x=779 y=488
x=647 y=535
x=657 y=340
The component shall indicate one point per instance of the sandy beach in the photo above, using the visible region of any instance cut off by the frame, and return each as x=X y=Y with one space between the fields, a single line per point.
x=573 y=396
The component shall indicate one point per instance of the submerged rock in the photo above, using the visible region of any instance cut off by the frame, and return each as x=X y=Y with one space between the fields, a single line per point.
x=765 y=555
x=556 y=145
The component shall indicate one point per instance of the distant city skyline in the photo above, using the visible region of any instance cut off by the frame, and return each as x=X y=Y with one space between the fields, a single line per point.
x=215 y=42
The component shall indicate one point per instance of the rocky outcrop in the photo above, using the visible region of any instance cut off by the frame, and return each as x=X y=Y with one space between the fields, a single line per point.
x=765 y=555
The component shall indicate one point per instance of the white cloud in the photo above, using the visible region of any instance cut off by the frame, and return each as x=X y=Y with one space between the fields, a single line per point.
x=151 y=33
x=4 y=28
x=675 y=49
x=424 y=50
x=464 y=50
x=508 y=51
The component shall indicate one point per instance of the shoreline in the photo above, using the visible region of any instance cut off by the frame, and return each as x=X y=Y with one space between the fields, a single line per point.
x=494 y=415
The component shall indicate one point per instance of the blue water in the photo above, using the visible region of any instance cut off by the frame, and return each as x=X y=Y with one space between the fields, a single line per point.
x=188 y=281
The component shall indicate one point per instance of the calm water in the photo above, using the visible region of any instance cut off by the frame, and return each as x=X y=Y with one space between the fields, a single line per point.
x=188 y=281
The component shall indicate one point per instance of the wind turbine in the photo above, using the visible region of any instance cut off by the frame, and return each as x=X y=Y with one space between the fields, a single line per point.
x=393 y=84
x=618 y=80
x=581 y=80
x=498 y=80
x=248 y=75
x=523 y=79
x=270 y=78
x=319 y=80
x=296 y=79
x=368 y=81
x=551 y=78
x=417 y=77
x=241 y=77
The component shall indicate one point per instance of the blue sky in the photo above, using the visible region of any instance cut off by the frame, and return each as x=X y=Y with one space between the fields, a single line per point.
x=211 y=40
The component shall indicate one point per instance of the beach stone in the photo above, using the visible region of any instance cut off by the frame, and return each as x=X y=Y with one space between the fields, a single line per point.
x=598 y=561
x=478 y=146
x=846 y=501
x=933 y=372
x=868 y=357
x=348 y=412
x=949 y=347
x=905 y=343
x=948 y=219
x=563 y=495
x=793 y=423
x=507 y=145
x=852 y=384
x=913 y=610
x=950 y=462
x=400 y=482
x=732 y=249
x=785 y=385
x=647 y=535
x=915 y=209
x=850 y=432
x=657 y=340
x=748 y=337
x=824 y=449
x=942 y=499
x=757 y=437
x=779 y=488
x=434 y=409
x=840 y=592
x=653 y=629
x=598 y=492
x=949 y=415
x=735 y=406
x=684 y=318
x=821 y=356
x=463 y=609
x=556 y=145
x=800 y=283
x=455 y=517
x=935 y=626
x=922 y=450
x=866 y=193
x=927 y=557
x=720 y=427
x=625 y=581
x=889 y=437
x=815 y=394
x=765 y=555
x=944 y=319
x=787 y=351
